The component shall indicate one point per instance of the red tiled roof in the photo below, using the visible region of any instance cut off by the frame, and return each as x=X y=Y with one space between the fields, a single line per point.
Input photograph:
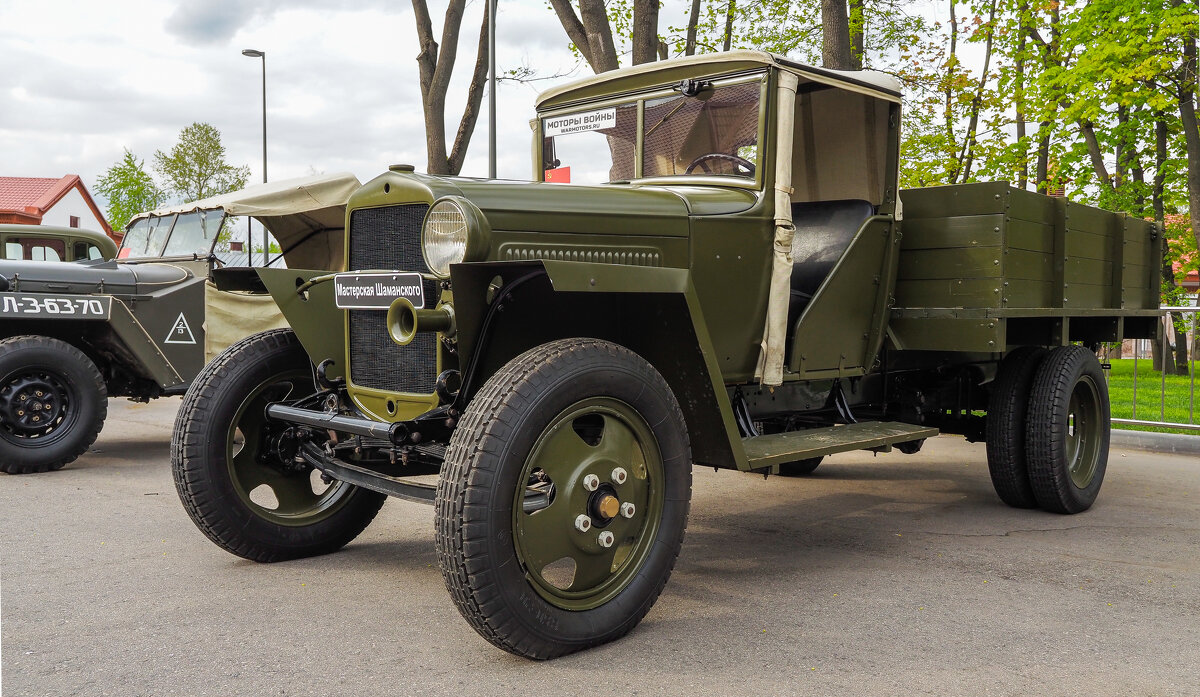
x=26 y=199
x=19 y=193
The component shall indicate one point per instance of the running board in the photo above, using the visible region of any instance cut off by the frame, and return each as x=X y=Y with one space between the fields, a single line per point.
x=367 y=479
x=779 y=448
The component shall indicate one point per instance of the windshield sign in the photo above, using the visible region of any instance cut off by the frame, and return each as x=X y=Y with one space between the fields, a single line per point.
x=713 y=132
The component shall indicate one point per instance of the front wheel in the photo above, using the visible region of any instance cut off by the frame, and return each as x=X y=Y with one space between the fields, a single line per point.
x=240 y=493
x=1068 y=430
x=53 y=402
x=563 y=499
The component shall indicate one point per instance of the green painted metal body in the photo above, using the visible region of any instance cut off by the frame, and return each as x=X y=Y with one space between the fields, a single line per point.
x=678 y=269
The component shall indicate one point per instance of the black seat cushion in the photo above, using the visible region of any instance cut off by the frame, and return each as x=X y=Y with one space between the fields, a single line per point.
x=824 y=230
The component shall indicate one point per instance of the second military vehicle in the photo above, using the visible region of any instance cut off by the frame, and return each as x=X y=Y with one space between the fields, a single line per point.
x=744 y=288
x=142 y=326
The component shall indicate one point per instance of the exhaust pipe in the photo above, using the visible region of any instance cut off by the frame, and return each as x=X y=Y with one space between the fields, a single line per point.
x=404 y=321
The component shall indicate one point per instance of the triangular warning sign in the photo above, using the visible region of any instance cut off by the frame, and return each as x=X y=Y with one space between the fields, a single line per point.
x=180 y=333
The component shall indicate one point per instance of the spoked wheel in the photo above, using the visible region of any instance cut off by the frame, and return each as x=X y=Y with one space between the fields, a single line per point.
x=1069 y=426
x=53 y=403
x=563 y=500
x=282 y=492
x=583 y=544
x=231 y=468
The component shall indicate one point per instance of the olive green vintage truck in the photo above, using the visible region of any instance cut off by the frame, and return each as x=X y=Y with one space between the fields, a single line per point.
x=714 y=268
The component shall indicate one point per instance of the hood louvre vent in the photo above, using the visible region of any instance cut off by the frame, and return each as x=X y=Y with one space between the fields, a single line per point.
x=637 y=256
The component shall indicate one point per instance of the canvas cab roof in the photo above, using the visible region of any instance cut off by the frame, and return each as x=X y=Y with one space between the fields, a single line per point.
x=880 y=85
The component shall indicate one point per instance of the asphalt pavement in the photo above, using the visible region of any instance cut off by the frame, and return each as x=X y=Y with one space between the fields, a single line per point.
x=878 y=575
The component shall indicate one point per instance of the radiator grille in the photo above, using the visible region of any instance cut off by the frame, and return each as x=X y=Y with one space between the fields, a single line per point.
x=389 y=239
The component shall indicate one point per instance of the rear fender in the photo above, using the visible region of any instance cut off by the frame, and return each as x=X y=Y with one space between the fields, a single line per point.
x=504 y=308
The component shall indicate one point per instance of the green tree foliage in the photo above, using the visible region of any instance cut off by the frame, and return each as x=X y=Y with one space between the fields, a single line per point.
x=129 y=189
x=195 y=167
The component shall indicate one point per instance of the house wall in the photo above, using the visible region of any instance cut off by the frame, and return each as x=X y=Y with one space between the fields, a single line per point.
x=71 y=204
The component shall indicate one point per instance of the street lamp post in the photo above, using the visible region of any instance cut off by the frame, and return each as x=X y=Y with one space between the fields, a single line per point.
x=252 y=53
x=491 y=10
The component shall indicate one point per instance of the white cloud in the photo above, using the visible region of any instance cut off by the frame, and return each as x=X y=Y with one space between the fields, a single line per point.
x=84 y=80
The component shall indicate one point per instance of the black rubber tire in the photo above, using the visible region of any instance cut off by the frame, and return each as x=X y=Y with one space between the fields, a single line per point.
x=1046 y=443
x=199 y=461
x=85 y=413
x=800 y=468
x=1006 y=426
x=476 y=551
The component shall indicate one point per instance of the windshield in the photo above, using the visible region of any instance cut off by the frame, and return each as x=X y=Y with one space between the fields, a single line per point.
x=713 y=132
x=172 y=235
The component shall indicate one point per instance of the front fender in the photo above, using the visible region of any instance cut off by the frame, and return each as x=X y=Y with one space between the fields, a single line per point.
x=505 y=308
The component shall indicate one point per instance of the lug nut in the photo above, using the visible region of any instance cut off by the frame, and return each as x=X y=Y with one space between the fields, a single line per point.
x=619 y=475
x=606 y=539
x=20 y=412
x=628 y=509
x=38 y=393
x=583 y=523
x=591 y=482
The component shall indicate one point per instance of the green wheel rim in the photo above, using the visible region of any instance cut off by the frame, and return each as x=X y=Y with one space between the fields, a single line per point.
x=1083 y=432
x=282 y=496
x=569 y=567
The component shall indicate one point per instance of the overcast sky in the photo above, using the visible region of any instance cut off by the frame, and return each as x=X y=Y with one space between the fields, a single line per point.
x=81 y=80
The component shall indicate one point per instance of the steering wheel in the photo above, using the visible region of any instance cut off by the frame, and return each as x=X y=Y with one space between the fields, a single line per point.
x=739 y=162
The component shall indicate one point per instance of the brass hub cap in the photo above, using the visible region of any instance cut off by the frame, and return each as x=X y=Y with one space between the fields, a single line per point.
x=608 y=506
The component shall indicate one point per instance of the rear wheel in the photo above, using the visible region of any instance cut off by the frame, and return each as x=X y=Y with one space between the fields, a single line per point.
x=800 y=468
x=236 y=487
x=1006 y=426
x=1067 y=442
x=53 y=402
x=563 y=499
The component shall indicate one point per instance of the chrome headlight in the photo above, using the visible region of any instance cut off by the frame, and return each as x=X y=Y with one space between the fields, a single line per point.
x=454 y=231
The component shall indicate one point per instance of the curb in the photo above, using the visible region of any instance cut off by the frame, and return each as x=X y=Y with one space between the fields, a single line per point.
x=1177 y=443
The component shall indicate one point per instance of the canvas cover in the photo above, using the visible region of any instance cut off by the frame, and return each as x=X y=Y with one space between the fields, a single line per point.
x=306 y=215
x=230 y=317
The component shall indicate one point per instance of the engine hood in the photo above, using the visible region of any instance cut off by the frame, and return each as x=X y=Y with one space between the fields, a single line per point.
x=651 y=210
x=106 y=277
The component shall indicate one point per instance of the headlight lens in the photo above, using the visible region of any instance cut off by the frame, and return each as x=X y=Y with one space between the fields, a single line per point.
x=444 y=237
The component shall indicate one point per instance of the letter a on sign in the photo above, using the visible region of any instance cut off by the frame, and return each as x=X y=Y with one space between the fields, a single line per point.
x=181 y=333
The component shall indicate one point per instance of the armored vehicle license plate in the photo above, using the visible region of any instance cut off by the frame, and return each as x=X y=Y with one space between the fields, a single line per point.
x=42 y=305
x=376 y=291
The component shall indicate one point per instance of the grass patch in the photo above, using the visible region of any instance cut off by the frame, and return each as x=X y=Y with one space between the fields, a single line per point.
x=1153 y=403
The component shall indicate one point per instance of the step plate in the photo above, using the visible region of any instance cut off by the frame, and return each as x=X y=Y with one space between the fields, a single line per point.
x=778 y=448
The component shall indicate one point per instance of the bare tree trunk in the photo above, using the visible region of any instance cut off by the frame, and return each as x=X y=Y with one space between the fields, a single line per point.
x=729 y=13
x=645 y=31
x=1191 y=130
x=589 y=31
x=1019 y=93
x=689 y=47
x=1049 y=59
x=466 y=125
x=1094 y=152
x=968 y=152
x=858 y=30
x=951 y=64
x=835 y=43
x=435 y=65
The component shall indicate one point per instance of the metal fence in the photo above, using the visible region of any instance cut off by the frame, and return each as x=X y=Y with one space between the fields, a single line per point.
x=1145 y=378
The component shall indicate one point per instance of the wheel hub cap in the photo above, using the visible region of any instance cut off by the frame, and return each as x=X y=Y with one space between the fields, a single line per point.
x=33 y=403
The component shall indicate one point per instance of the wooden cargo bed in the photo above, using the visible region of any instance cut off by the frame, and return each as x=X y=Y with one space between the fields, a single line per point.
x=985 y=265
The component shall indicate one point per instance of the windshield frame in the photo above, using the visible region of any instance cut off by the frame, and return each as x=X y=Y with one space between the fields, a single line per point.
x=166 y=242
x=639 y=98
